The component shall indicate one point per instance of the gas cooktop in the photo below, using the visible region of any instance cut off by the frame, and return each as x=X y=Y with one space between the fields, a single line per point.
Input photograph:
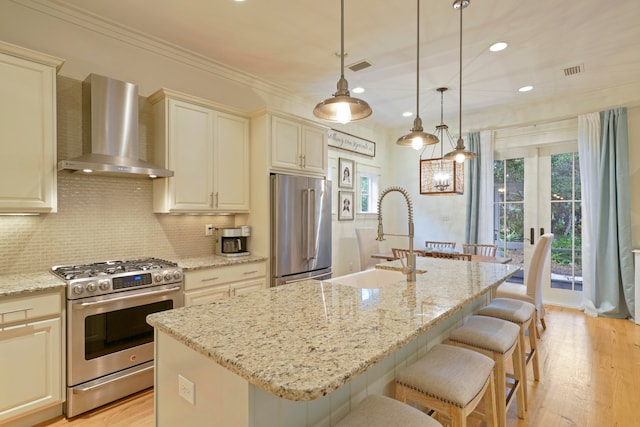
x=99 y=278
x=104 y=268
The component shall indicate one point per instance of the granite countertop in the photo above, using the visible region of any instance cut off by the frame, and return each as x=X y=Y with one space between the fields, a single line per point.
x=23 y=283
x=304 y=340
x=213 y=261
x=19 y=284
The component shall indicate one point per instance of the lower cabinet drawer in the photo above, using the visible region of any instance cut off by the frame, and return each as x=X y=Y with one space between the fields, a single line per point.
x=206 y=295
x=213 y=293
x=24 y=308
x=207 y=277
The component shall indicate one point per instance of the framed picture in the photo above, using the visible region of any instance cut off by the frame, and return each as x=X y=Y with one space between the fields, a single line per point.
x=345 y=206
x=345 y=180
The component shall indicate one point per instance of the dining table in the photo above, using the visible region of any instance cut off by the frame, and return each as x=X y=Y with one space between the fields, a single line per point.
x=388 y=256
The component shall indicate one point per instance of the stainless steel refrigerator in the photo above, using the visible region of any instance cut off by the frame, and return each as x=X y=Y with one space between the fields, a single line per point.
x=300 y=229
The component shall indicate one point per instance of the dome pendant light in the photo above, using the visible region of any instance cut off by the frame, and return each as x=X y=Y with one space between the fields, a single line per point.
x=342 y=108
x=417 y=138
x=460 y=154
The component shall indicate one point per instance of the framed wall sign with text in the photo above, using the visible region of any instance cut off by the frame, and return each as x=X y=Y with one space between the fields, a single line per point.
x=352 y=143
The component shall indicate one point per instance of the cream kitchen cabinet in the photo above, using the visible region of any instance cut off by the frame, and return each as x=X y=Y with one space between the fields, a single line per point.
x=298 y=146
x=27 y=130
x=209 y=284
x=207 y=149
x=31 y=355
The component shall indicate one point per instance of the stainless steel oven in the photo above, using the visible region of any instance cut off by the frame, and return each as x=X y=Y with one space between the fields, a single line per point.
x=109 y=343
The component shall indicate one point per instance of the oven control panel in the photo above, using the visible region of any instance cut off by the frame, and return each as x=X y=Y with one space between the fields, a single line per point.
x=100 y=285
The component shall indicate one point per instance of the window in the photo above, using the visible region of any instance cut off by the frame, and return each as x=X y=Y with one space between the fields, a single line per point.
x=368 y=193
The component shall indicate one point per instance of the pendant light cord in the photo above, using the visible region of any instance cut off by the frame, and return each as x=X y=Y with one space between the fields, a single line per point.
x=418 y=61
x=342 y=39
x=460 y=75
x=441 y=122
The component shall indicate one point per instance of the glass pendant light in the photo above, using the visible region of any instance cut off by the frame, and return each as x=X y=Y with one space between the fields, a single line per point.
x=342 y=108
x=417 y=137
x=460 y=154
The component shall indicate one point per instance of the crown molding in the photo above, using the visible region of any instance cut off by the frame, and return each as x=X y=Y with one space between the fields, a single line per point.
x=62 y=10
x=32 y=55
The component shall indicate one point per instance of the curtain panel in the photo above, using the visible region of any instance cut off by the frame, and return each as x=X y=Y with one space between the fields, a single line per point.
x=608 y=281
x=479 y=189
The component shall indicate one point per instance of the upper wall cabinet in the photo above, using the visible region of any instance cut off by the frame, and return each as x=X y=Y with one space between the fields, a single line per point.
x=27 y=130
x=208 y=150
x=298 y=146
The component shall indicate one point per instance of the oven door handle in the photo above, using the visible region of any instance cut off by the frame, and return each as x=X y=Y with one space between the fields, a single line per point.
x=143 y=295
x=102 y=384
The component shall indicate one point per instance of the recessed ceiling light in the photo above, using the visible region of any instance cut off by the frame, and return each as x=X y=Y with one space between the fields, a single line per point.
x=497 y=47
x=407 y=114
x=358 y=89
x=525 y=89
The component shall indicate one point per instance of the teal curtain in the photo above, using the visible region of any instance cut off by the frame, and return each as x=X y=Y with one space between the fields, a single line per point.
x=472 y=189
x=614 y=291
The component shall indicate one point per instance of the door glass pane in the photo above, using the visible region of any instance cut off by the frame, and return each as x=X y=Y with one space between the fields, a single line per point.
x=509 y=211
x=514 y=180
x=576 y=177
x=566 y=220
x=563 y=176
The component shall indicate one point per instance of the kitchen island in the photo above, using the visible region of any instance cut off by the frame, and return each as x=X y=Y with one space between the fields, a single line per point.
x=301 y=354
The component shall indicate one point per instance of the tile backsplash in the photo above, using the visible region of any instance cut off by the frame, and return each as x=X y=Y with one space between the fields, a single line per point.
x=99 y=217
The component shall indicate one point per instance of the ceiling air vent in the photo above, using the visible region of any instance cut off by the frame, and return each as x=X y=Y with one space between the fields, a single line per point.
x=576 y=69
x=359 y=66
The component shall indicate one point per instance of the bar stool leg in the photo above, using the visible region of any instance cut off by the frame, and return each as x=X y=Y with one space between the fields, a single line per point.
x=489 y=401
x=533 y=344
x=519 y=374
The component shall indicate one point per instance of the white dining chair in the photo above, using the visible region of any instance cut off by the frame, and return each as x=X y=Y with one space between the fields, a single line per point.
x=531 y=291
x=431 y=244
x=480 y=249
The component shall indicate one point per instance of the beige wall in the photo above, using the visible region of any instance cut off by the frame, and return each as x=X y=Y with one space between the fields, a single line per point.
x=633 y=116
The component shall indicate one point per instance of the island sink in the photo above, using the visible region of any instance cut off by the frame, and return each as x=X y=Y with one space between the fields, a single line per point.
x=372 y=279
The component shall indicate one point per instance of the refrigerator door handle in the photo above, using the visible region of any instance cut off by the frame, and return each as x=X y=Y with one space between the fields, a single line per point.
x=305 y=221
x=311 y=227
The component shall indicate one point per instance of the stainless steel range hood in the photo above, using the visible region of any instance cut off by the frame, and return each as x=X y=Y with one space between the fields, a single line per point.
x=111 y=130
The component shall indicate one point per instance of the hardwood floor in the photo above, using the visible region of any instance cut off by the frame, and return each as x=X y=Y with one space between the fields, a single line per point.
x=133 y=411
x=590 y=378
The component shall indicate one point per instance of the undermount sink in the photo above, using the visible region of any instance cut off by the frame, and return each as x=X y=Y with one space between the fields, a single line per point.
x=371 y=279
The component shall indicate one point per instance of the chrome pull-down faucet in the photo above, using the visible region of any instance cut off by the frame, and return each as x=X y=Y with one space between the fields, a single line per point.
x=410 y=268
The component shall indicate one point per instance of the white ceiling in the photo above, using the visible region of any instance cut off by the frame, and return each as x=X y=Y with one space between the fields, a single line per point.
x=291 y=43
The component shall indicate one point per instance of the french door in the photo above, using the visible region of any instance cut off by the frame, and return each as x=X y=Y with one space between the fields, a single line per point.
x=537 y=190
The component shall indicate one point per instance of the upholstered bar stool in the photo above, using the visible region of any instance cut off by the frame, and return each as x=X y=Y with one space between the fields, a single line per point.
x=381 y=411
x=499 y=340
x=524 y=315
x=451 y=381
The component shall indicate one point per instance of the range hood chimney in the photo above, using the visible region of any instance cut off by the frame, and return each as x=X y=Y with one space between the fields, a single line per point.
x=111 y=131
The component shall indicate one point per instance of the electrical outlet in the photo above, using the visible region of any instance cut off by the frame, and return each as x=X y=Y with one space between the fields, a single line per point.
x=186 y=390
x=445 y=218
x=208 y=230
